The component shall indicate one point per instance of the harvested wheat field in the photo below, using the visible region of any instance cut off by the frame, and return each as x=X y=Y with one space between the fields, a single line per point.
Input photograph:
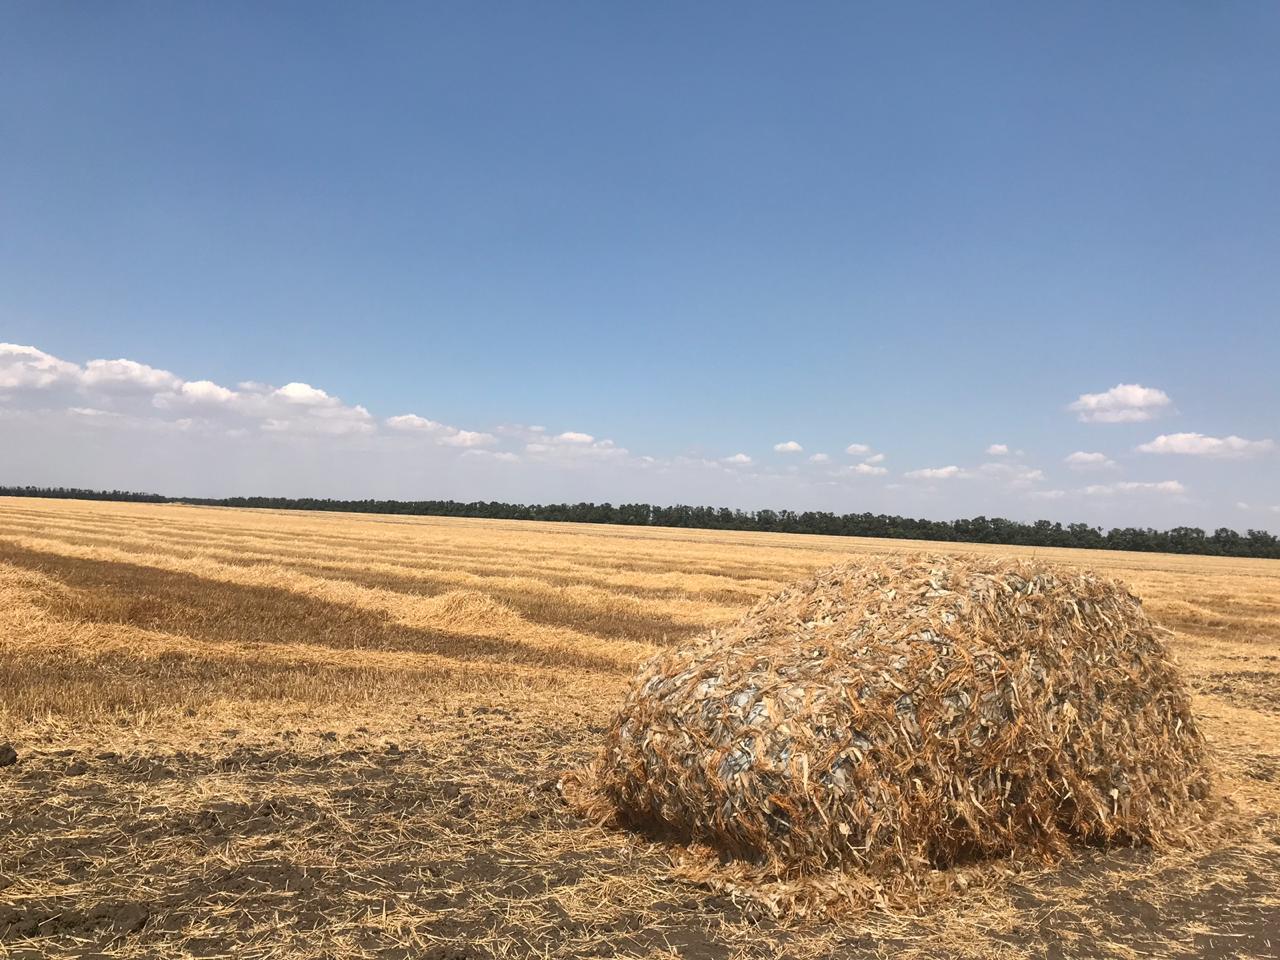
x=269 y=734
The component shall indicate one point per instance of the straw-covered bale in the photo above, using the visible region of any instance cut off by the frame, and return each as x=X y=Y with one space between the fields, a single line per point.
x=892 y=717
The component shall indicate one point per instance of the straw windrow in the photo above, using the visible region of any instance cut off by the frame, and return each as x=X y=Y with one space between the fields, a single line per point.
x=888 y=719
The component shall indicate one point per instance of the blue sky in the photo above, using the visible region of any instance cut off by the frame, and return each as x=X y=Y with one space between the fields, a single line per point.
x=694 y=231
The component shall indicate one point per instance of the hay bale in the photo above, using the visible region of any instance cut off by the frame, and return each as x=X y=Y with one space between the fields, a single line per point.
x=894 y=717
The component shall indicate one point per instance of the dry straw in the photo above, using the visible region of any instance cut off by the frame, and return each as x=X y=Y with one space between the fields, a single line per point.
x=884 y=721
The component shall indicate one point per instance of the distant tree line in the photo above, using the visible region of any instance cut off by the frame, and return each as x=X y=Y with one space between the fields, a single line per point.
x=75 y=493
x=1042 y=533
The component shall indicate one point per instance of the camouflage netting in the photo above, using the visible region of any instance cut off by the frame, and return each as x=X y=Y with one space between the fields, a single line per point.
x=892 y=717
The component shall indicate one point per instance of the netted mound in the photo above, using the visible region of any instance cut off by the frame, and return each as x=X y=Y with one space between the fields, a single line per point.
x=893 y=717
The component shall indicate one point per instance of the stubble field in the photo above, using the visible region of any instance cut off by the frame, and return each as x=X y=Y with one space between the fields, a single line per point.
x=269 y=734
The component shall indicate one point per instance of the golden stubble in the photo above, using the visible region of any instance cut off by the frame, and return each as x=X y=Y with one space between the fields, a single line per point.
x=336 y=734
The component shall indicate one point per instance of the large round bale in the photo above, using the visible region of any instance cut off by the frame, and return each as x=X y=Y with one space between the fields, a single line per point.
x=902 y=715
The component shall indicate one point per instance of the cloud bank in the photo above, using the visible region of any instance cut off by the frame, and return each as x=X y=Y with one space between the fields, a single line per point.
x=123 y=423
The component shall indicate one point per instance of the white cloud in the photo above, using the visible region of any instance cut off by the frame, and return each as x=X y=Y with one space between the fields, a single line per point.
x=116 y=421
x=411 y=421
x=569 y=447
x=1241 y=505
x=998 y=449
x=1198 y=445
x=1013 y=474
x=740 y=459
x=127 y=375
x=335 y=418
x=332 y=421
x=24 y=367
x=820 y=458
x=869 y=459
x=203 y=391
x=1123 y=403
x=296 y=408
x=1083 y=460
x=788 y=446
x=210 y=398
x=1131 y=486
x=468 y=438
x=864 y=470
x=951 y=472
x=142 y=395
x=441 y=432
x=304 y=394
x=92 y=412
